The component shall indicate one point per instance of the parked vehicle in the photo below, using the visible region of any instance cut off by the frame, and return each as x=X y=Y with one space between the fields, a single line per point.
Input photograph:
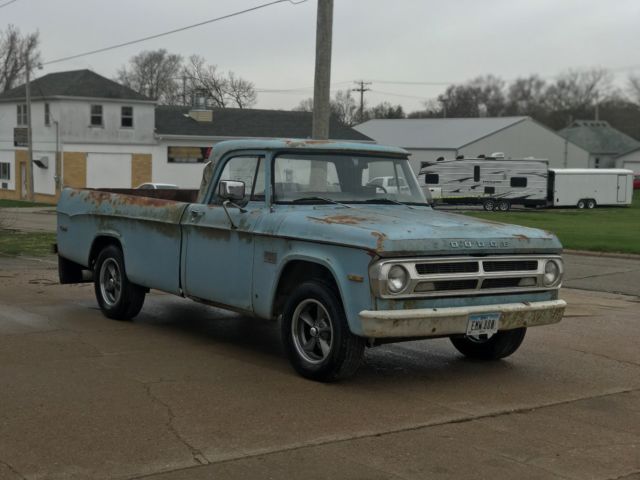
x=636 y=182
x=590 y=187
x=157 y=186
x=390 y=184
x=495 y=183
x=292 y=230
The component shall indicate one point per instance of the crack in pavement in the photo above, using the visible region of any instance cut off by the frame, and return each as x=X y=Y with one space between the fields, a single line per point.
x=13 y=470
x=601 y=355
x=393 y=431
x=196 y=454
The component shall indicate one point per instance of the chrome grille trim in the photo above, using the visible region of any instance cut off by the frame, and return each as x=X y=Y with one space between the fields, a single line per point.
x=483 y=275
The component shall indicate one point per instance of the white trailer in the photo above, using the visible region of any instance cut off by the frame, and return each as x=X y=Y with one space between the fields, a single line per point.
x=492 y=182
x=590 y=187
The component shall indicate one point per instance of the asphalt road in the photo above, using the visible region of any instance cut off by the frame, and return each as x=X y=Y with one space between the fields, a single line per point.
x=191 y=392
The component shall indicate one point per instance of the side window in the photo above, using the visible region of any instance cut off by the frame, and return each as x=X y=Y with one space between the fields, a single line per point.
x=247 y=169
x=126 y=117
x=432 y=179
x=96 y=115
x=476 y=173
x=519 y=182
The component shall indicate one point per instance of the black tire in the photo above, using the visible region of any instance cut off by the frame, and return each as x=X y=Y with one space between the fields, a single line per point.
x=119 y=299
x=591 y=204
x=489 y=204
x=344 y=349
x=500 y=345
x=503 y=205
x=581 y=204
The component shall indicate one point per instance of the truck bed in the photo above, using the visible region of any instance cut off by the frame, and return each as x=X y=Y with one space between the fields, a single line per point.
x=146 y=222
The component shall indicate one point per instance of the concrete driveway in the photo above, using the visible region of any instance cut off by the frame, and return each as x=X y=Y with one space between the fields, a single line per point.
x=191 y=392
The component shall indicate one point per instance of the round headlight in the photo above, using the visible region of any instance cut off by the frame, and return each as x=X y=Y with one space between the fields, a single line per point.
x=397 y=279
x=551 y=273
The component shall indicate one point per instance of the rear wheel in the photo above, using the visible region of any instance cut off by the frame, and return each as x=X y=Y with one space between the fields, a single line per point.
x=489 y=204
x=591 y=204
x=500 y=345
x=118 y=298
x=581 y=204
x=316 y=335
x=504 y=205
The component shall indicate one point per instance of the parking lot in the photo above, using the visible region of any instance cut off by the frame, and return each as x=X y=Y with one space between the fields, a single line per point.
x=188 y=392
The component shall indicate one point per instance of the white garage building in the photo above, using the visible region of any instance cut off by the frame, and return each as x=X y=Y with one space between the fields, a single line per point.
x=516 y=137
x=629 y=160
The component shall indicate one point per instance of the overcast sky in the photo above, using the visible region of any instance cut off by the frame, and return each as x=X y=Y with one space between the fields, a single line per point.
x=376 y=40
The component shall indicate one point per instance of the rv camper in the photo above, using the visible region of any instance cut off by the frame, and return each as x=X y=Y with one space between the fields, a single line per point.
x=496 y=184
x=590 y=187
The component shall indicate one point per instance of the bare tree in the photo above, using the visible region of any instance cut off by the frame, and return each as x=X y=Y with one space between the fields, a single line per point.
x=220 y=90
x=15 y=50
x=527 y=96
x=634 y=88
x=578 y=90
x=154 y=74
x=343 y=107
x=384 y=110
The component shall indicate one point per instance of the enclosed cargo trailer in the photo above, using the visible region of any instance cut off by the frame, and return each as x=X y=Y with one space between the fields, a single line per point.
x=590 y=187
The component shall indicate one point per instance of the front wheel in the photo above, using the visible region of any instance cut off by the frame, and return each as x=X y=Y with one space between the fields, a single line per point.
x=118 y=298
x=500 y=345
x=316 y=335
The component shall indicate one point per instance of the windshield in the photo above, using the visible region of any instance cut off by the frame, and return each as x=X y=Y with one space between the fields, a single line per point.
x=345 y=179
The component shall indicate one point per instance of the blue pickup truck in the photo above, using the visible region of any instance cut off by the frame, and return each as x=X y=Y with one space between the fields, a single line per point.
x=298 y=231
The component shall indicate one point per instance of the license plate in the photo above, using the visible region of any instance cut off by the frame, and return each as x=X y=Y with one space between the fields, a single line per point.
x=483 y=324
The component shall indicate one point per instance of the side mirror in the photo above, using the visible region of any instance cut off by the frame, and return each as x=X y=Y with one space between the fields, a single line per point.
x=231 y=190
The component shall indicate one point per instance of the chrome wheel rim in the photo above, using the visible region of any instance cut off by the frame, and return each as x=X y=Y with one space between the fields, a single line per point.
x=110 y=282
x=312 y=331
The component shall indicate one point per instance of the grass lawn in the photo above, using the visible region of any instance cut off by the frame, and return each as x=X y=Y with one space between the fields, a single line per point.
x=28 y=244
x=601 y=229
x=21 y=203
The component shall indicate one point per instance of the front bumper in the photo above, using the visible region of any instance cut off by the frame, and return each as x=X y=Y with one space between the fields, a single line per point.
x=439 y=322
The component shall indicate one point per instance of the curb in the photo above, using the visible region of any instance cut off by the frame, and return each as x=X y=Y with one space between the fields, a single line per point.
x=589 y=253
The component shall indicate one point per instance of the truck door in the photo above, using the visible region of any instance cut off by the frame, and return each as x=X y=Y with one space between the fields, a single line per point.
x=218 y=256
x=622 y=188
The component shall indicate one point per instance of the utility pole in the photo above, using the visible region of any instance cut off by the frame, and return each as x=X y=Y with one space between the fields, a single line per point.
x=321 y=93
x=29 y=169
x=361 y=89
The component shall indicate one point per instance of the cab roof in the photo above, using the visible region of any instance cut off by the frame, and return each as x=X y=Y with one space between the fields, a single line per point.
x=305 y=145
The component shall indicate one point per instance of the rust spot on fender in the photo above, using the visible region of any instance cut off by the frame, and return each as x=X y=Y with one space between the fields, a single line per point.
x=339 y=219
x=380 y=238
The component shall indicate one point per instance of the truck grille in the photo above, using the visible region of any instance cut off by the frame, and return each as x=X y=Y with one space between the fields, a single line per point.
x=459 y=276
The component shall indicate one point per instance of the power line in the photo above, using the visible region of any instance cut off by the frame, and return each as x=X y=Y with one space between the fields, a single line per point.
x=7 y=3
x=158 y=35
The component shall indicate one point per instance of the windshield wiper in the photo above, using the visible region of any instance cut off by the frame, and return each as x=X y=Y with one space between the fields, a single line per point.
x=386 y=200
x=315 y=199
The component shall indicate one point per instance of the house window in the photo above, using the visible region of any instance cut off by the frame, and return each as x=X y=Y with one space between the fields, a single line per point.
x=5 y=171
x=188 y=154
x=22 y=115
x=476 y=173
x=432 y=179
x=126 y=119
x=47 y=114
x=96 y=115
x=519 y=182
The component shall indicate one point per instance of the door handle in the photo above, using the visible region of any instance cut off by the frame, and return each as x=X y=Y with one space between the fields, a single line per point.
x=195 y=214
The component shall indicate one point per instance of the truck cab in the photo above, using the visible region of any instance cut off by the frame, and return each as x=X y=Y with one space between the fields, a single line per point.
x=298 y=231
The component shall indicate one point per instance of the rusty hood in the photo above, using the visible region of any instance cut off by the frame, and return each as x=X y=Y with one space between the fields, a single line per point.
x=395 y=230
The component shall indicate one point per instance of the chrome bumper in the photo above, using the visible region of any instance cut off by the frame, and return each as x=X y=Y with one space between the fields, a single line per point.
x=437 y=322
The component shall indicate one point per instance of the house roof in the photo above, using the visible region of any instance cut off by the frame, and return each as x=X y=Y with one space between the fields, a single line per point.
x=74 y=83
x=597 y=136
x=434 y=133
x=244 y=123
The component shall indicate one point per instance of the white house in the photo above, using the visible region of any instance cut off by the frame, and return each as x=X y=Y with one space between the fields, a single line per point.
x=629 y=160
x=89 y=131
x=603 y=142
x=516 y=137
